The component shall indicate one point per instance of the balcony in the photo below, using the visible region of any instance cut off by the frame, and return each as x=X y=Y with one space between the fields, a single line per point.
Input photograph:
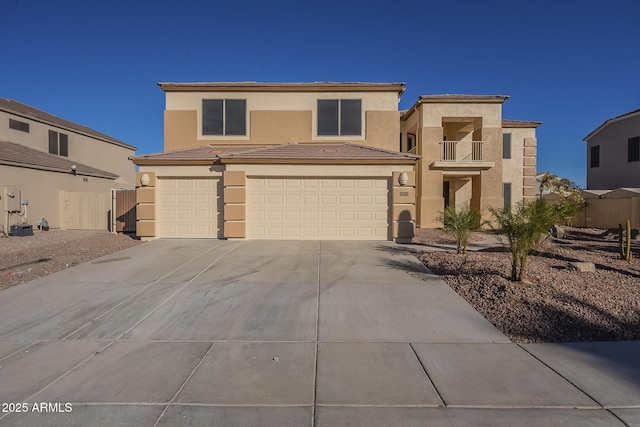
x=462 y=158
x=461 y=151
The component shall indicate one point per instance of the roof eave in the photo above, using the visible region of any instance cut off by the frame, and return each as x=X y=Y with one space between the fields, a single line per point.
x=520 y=124
x=174 y=162
x=610 y=121
x=282 y=87
x=407 y=161
x=462 y=99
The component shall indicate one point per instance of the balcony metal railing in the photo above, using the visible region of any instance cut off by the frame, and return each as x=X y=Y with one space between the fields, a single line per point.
x=461 y=151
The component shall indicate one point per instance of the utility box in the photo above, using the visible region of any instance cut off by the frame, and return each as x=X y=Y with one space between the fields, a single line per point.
x=21 y=230
x=11 y=199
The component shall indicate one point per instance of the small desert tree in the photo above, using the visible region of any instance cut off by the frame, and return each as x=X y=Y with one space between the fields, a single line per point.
x=571 y=201
x=460 y=223
x=524 y=226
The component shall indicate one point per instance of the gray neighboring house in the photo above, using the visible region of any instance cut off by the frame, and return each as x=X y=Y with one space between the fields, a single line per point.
x=613 y=153
x=65 y=171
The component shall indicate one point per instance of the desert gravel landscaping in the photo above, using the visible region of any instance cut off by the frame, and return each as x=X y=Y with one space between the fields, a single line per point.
x=561 y=305
x=26 y=258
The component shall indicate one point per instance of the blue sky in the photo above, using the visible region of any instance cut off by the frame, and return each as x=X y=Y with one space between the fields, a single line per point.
x=570 y=65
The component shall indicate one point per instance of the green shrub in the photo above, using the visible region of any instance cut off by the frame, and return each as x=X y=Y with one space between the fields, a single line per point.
x=460 y=223
x=524 y=228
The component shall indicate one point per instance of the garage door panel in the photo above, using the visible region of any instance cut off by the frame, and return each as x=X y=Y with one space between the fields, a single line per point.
x=189 y=207
x=318 y=208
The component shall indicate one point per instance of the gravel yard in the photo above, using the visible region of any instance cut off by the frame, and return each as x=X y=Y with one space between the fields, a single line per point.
x=561 y=305
x=26 y=258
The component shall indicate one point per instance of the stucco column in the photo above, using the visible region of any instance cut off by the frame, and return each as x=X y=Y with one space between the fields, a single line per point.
x=235 y=211
x=404 y=207
x=529 y=189
x=146 y=205
x=487 y=188
x=430 y=201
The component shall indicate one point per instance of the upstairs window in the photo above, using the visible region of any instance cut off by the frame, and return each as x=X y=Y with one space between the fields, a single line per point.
x=633 y=149
x=506 y=145
x=18 y=125
x=58 y=143
x=594 y=155
x=224 y=117
x=339 y=117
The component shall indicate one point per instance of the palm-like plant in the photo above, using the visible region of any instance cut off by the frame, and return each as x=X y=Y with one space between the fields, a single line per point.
x=460 y=223
x=524 y=228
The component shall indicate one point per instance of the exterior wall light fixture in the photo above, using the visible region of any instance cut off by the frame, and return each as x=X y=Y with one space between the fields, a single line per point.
x=403 y=178
x=144 y=180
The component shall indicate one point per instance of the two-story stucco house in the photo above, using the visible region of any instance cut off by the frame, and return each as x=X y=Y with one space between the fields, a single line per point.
x=326 y=161
x=55 y=163
x=613 y=153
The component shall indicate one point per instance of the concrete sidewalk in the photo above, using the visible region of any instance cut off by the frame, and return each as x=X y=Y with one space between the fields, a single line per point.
x=208 y=332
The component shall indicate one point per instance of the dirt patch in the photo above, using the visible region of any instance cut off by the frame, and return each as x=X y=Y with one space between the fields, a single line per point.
x=562 y=305
x=26 y=258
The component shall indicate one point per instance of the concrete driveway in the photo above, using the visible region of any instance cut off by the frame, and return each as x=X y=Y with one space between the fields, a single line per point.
x=209 y=332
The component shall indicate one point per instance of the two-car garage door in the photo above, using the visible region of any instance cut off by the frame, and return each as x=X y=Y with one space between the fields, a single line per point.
x=278 y=208
x=317 y=208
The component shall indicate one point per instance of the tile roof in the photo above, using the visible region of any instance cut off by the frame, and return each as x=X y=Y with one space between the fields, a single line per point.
x=26 y=111
x=18 y=155
x=207 y=153
x=288 y=153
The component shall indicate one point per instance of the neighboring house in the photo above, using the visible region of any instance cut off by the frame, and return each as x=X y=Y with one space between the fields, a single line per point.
x=613 y=153
x=64 y=170
x=326 y=161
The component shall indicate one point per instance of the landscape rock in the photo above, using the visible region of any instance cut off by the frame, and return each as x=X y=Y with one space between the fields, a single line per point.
x=587 y=267
x=557 y=232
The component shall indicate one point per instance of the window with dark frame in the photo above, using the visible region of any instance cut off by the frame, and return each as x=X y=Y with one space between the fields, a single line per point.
x=506 y=145
x=58 y=143
x=506 y=193
x=594 y=157
x=633 y=149
x=224 y=117
x=339 y=117
x=411 y=141
x=18 y=125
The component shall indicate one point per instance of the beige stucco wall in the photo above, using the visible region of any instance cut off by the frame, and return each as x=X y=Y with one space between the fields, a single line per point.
x=84 y=149
x=42 y=189
x=491 y=113
x=609 y=213
x=279 y=118
x=320 y=170
x=183 y=171
x=521 y=157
